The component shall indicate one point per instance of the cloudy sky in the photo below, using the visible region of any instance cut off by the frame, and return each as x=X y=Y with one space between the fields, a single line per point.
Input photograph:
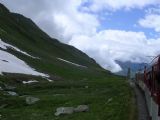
x=107 y=30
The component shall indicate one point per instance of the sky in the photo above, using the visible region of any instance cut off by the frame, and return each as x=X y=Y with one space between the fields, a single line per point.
x=106 y=30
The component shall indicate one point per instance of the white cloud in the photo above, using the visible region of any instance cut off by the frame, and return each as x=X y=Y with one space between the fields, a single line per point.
x=77 y=23
x=110 y=45
x=153 y=10
x=98 y=5
x=151 y=21
x=62 y=19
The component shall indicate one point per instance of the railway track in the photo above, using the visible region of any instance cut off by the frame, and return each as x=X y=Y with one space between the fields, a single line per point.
x=143 y=113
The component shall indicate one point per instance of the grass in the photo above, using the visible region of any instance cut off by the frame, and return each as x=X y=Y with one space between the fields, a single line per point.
x=109 y=98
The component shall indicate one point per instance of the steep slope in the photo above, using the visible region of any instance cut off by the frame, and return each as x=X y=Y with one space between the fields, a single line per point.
x=21 y=32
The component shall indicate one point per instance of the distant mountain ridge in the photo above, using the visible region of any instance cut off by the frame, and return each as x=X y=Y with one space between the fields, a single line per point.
x=133 y=66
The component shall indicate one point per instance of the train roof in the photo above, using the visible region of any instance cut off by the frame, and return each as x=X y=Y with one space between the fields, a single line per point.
x=155 y=60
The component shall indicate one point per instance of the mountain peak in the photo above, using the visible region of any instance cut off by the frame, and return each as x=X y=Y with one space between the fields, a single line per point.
x=3 y=8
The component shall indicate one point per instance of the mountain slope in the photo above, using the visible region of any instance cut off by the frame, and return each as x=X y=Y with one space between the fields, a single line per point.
x=21 y=32
x=74 y=78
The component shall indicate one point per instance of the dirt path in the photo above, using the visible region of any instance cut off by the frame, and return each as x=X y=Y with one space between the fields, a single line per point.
x=141 y=104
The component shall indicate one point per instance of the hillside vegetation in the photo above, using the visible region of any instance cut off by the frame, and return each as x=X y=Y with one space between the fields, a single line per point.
x=108 y=96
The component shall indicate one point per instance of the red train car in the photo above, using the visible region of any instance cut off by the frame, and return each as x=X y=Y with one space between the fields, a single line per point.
x=149 y=81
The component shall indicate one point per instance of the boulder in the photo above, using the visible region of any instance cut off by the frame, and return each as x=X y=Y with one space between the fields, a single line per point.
x=81 y=108
x=1 y=88
x=64 y=111
x=3 y=106
x=109 y=100
x=12 y=93
x=71 y=110
x=86 y=87
x=31 y=100
x=9 y=87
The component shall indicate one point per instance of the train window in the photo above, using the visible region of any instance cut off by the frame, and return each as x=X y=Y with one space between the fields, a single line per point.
x=150 y=81
x=157 y=77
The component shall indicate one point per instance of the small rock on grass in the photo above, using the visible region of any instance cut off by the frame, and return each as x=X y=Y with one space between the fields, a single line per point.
x=64 y=111
x=86 y=87
x=3 y=106
x=71 y=110
x=81 y=108
x=8 y=87
x=1 y=88
x=12 y=93
x=31 y=100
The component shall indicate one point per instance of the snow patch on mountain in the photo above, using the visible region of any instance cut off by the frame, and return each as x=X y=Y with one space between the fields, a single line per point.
x=5 y=46
x=31 y=81
x=11 y=64
x=75 y=64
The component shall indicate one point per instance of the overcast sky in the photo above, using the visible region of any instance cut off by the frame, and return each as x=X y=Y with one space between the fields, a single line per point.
x=107 y=30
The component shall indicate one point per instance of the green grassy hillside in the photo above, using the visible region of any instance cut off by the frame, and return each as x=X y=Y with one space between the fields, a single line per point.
x=108 y=96
x=21 y=32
